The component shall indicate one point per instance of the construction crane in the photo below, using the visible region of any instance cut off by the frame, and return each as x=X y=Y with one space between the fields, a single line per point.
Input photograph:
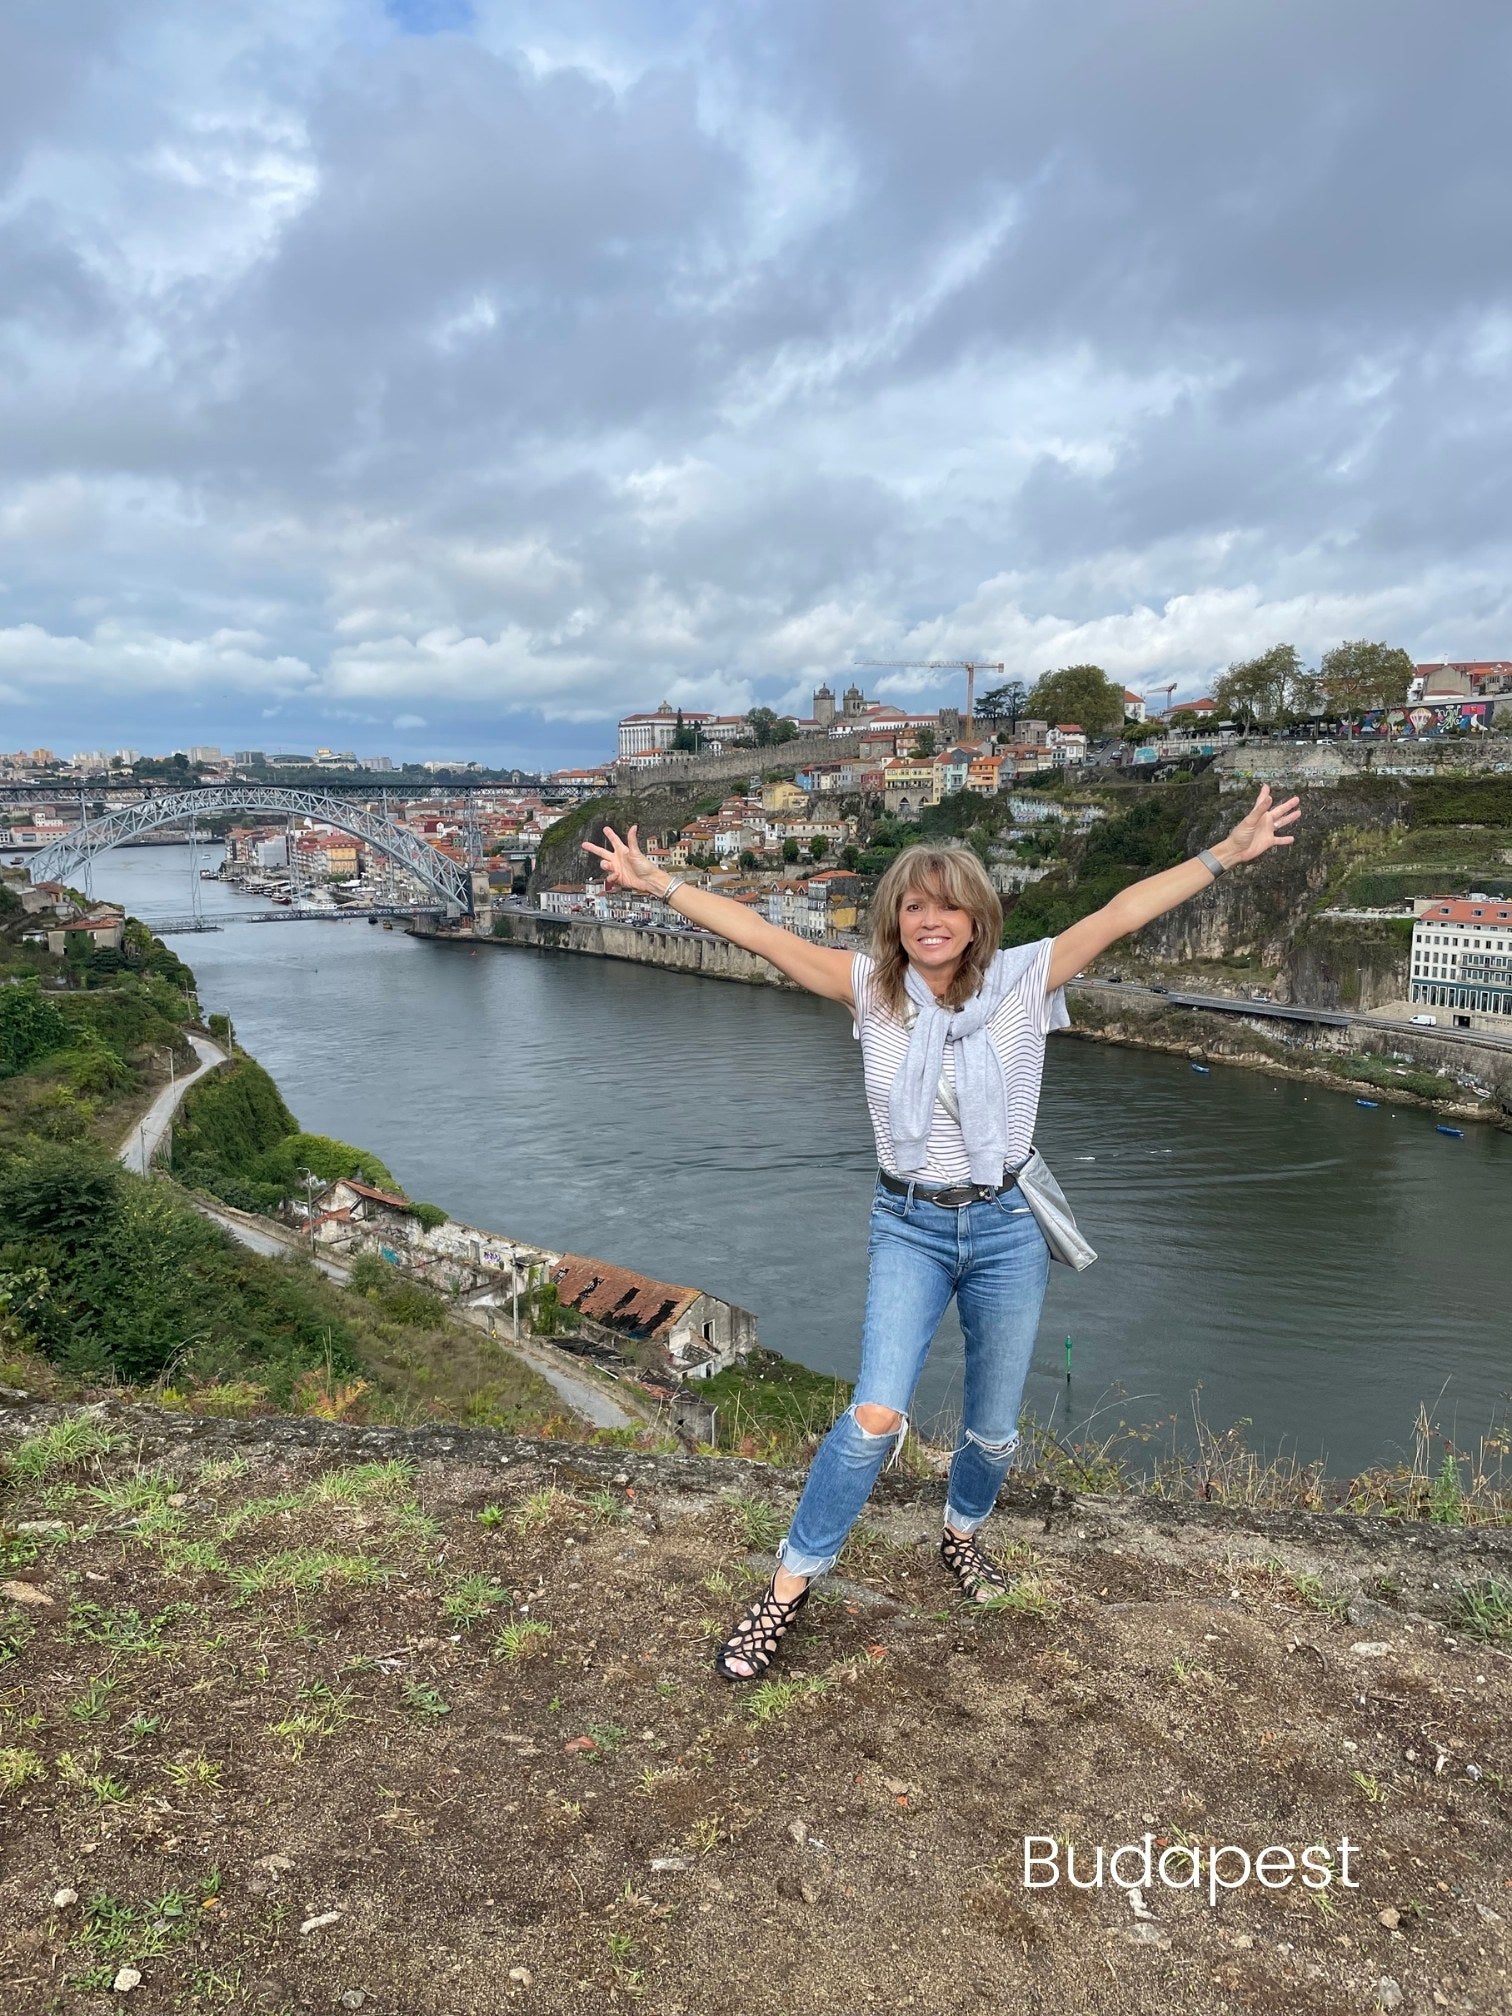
x=970 y=666
x=1168 y=690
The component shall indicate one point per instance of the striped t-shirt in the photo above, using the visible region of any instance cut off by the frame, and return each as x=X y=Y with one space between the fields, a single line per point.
x=1017 y=1032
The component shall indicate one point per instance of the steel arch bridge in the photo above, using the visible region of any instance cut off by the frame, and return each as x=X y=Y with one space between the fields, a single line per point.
x=450 y=880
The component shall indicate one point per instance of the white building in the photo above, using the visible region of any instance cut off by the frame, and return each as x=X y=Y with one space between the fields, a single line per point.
x=1462 y=955
x=1134 y=706
x=643 y=734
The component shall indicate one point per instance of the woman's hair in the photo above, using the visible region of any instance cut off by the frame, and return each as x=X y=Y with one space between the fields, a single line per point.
x=952 y=875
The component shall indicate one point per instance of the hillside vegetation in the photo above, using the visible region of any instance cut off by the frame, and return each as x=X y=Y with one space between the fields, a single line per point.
x=108 y=1280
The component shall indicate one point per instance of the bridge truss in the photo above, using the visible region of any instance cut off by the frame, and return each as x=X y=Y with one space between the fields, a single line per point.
x=449 y=880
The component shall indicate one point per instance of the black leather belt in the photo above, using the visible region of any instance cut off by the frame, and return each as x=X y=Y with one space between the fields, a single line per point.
x=954 y=1196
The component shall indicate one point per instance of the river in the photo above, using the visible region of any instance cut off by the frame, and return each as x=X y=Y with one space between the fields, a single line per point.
x=1313 y=1267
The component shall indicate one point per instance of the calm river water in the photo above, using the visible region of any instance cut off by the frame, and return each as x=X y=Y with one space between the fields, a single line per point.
x=1313 y=1267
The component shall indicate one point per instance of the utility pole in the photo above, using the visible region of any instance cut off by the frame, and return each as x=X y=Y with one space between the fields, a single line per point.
x=311 y=1180
x=514 y=1293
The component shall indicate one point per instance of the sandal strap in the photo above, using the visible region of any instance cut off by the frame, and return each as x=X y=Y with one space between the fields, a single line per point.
x=757 y=1636
x=969 y=1565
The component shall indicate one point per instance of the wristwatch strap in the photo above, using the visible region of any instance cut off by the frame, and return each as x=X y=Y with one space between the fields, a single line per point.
x=1210 y=860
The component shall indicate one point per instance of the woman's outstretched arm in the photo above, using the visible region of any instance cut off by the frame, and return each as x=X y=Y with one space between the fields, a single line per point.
x=819 y=968
x=1141 y=903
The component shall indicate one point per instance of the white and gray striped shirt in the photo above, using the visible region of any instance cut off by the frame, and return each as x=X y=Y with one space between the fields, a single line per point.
x=1017 y=1032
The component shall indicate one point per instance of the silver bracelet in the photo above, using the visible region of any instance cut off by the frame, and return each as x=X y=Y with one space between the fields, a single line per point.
x=1210 y=861
x=672 y=887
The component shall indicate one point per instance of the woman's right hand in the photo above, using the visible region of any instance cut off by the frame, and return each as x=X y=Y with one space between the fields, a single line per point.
x=625 y=866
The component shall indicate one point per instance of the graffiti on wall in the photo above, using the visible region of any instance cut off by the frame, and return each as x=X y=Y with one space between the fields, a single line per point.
x=1445 y=717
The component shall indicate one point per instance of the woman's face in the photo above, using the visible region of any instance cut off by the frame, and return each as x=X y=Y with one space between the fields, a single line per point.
x=934 y=933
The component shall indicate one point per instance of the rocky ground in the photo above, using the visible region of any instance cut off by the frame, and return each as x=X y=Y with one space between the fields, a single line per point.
x=305 y=1717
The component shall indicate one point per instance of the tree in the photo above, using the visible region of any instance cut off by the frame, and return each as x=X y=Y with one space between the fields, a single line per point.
x=1358 y=675
x=1258 y=689
x=926 y=743
x=1003 y=703
x=790 y=850
x=818 y=847
x=1081 y=693
x=684 y=737
x=769 y=727
x=1306 y=696
x=749 y=859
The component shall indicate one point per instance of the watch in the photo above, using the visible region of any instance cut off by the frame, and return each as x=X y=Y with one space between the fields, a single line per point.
x=1210 y=861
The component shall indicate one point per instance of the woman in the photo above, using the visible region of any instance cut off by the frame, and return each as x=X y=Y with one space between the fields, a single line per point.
x=952 y=1034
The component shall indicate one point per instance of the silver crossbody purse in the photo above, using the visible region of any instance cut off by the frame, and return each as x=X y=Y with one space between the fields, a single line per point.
x=1039 y=1189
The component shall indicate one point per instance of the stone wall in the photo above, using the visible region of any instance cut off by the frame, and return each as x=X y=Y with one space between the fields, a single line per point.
x=677 y=951
x=1297 y=764
x=736 y=765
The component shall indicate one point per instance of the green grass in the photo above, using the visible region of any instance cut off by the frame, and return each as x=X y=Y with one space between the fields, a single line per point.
x=1483 y=1611
x=521 y=1638
x=63 y=1446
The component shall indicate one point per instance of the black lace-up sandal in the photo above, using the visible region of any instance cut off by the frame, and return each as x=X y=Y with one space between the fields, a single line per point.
x=971 y=1568
x=756 y=1637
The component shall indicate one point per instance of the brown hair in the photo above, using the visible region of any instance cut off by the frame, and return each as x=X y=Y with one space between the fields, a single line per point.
x=954 y=876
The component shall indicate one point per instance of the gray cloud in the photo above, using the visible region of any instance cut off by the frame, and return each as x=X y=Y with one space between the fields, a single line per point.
x=529 y=363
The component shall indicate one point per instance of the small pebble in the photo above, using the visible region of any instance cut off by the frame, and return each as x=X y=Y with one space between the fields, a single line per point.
x=353 y=1998
x=63 y=1898
x=521 y=1974
x=324 y=1918
x=126 y=1980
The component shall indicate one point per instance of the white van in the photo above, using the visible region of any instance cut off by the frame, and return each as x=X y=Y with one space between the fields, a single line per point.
x=1431 y=1020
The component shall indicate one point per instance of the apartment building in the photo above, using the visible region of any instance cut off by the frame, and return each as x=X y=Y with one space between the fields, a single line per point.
x=1462 y=955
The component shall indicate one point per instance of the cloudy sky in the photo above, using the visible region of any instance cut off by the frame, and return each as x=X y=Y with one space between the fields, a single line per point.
x=454 y=376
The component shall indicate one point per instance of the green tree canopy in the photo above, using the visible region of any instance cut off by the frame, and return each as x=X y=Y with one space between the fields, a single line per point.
x=1080 y=693
x=790 y=850
x=30 y=1027
x=1260 y=689
x=818 y=847
x=1358 y=675
x=769 y=727
x=926 y=743
x=1003 y=703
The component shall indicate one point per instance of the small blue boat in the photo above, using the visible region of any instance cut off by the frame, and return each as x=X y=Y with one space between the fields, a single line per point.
x=1367 y=1102
x=1202 y=1068
x=1457 y=1132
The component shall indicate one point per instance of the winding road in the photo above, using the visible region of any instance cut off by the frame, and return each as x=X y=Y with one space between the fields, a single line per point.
x=582 y=1394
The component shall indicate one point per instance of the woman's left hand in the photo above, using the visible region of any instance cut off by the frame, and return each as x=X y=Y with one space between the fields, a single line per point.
x=1259 y=832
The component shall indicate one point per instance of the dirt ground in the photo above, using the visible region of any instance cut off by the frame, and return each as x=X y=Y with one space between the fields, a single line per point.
x=426 y=1724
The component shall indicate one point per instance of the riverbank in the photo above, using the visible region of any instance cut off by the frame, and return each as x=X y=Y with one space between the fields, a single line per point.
x=1318 y=1055
x=461 y=1746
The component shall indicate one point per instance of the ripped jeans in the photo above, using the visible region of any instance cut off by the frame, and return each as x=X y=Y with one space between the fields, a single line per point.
x=992 y=1257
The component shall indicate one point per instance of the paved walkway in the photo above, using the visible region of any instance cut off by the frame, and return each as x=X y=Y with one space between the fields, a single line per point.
x=146 y=1137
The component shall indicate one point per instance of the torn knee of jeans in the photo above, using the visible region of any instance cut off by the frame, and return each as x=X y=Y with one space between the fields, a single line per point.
x=992 y=1448
x=881 y=1434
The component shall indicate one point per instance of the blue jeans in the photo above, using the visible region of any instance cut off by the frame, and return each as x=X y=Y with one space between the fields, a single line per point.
x=992 y=1257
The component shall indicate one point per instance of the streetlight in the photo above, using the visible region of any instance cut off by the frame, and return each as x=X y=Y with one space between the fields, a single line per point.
x=514 y=1292
x=311 y=1180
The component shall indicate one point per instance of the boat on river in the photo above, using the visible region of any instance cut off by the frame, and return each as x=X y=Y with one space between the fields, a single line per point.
x=1204 y=1069
x=1367 y=1102
x=1457 y=1132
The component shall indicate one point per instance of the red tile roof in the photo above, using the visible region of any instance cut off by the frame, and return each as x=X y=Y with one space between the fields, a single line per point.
x=1458 y=911
x=378 y=1196
x=618 y=1297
